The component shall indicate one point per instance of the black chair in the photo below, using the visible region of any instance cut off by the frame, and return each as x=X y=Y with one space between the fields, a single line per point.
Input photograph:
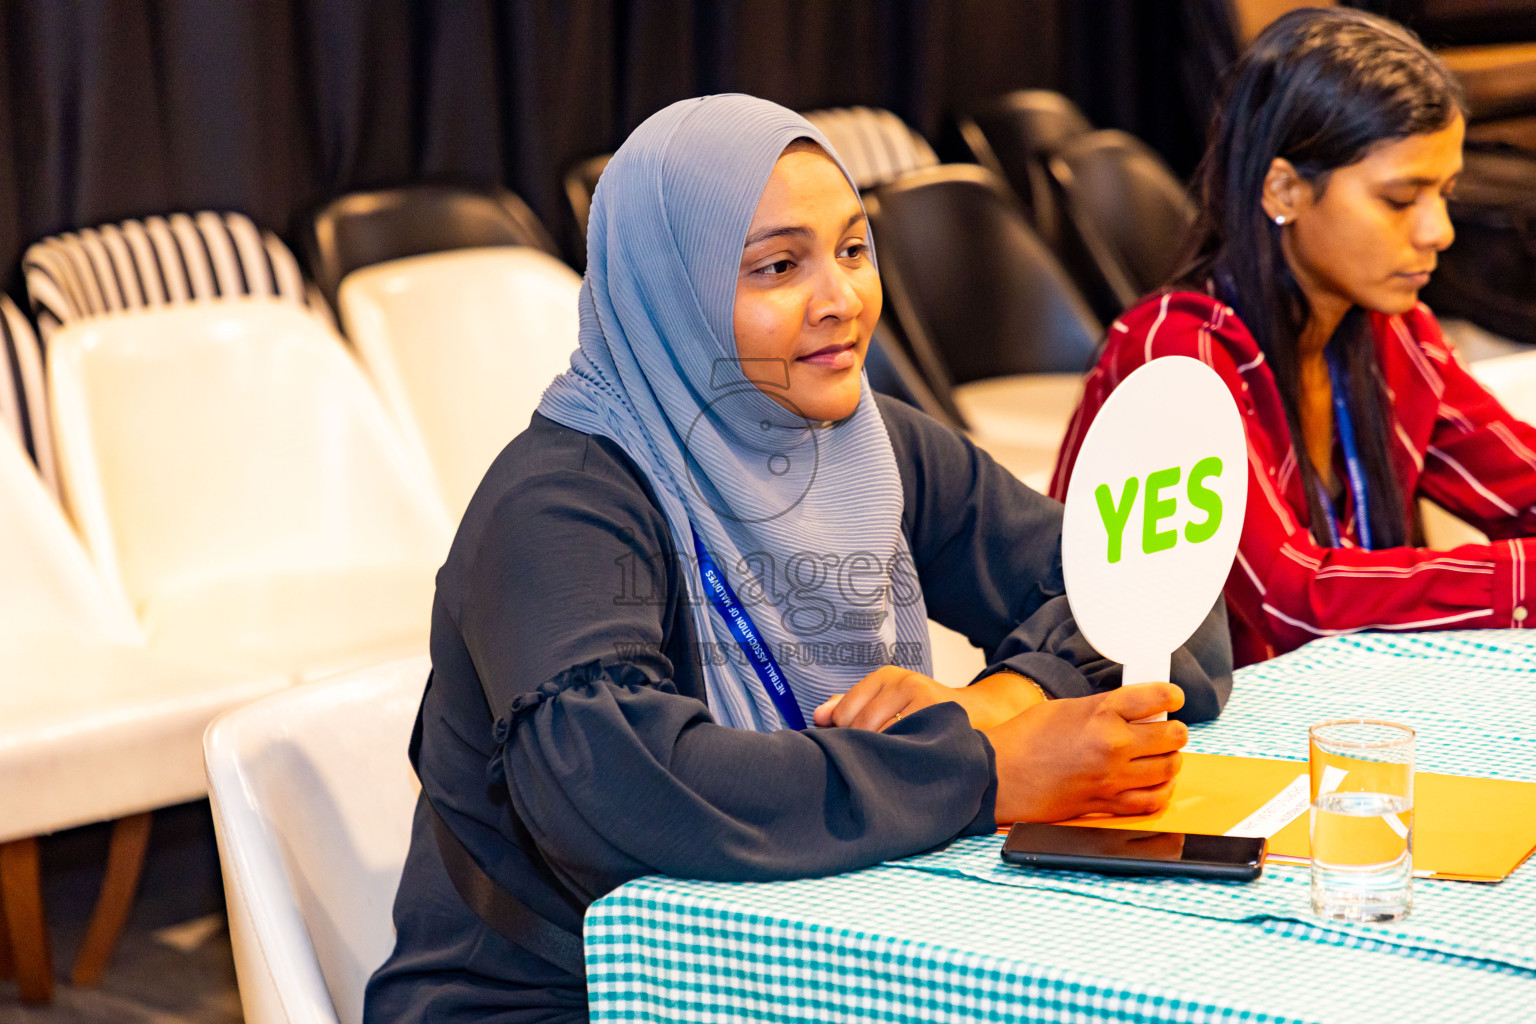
x=365 y=228
x=580 y=184
x=892 y=372
x=971 y=286
x=1014 y=136
x=1126 y=217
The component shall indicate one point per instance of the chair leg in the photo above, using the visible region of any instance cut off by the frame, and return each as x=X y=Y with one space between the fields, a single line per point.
x=125 y=860
x=7 y=962
x=21 y=882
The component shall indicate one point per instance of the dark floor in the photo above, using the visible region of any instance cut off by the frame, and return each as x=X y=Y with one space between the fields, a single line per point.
x=174 y=964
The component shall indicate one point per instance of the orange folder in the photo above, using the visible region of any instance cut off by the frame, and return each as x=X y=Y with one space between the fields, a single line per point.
x=1465 y=829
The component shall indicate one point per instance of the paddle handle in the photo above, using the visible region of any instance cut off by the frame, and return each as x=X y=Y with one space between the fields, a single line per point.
x=1154 y=668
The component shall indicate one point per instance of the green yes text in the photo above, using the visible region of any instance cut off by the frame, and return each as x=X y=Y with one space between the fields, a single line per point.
x=1155 y=508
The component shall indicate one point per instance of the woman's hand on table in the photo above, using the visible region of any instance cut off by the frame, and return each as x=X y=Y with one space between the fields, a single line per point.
x=1064 y=758
x=879 y=698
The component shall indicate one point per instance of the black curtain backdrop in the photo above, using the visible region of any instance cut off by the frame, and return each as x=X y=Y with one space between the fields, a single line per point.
x=118 y=108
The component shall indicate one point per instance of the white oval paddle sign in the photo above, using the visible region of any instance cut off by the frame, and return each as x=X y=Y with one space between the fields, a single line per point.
x=1154 y=511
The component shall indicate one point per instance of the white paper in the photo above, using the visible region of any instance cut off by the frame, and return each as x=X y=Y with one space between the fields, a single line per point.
x=1279 y=811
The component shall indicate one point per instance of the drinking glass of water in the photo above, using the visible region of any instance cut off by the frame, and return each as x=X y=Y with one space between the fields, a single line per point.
x=1362 y=819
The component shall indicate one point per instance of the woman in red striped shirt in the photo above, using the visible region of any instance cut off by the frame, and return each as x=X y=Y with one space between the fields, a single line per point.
x=1322 y=214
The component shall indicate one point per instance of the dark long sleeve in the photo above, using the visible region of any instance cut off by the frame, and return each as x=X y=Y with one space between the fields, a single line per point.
x=615 y=774
x=988 y=554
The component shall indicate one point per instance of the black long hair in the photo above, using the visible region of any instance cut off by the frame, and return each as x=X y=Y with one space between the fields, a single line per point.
x=1319 y=88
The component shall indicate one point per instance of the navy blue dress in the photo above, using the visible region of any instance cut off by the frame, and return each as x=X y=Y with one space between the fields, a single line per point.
x=566 y=739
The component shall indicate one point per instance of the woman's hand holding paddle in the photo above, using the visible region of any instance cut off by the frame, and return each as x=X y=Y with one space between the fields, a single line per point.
x=1064 y=758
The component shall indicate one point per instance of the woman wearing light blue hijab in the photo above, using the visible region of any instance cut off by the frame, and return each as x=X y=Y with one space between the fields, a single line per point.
x=683 y=626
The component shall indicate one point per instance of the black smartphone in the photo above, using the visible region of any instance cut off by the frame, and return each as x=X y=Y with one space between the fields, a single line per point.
x=1116 y=851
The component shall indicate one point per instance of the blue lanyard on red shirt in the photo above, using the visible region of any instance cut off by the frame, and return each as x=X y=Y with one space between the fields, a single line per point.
x=752 y=643
x=1339 y=376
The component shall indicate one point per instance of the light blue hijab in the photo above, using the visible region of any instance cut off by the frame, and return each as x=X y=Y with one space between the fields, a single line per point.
x=803 y=517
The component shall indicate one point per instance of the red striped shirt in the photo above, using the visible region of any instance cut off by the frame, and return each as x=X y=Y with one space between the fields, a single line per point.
x=1455 y=444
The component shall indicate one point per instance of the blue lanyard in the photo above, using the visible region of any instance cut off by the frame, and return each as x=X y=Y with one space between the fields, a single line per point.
x=752 y=645
x=1339 y=377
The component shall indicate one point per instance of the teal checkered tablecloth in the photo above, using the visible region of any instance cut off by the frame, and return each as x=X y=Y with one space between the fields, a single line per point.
x=954 y=936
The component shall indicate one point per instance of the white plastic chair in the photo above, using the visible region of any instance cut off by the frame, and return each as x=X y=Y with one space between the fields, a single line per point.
x=1512 y=379
x=462 y=345
x=93 y=727
x=237 y=481
x=1027 y=409
x=955 y=661
x=876 y=145
x=1021 y=419
x=312 y=801
x=160 y=261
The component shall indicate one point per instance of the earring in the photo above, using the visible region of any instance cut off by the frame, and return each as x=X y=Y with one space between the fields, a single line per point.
x=1280 y=219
